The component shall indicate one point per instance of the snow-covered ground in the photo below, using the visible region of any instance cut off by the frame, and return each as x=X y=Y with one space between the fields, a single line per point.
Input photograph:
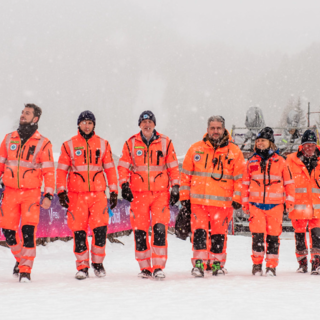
x=54 y=293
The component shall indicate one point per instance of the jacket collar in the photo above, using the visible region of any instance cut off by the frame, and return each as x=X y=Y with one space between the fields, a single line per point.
x=156 y=136
x=36 y=135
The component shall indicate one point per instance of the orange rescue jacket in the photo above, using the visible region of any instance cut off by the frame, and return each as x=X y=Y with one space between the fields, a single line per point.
x=27 y=166
x=307 y=188
x=84 y=162
x=150 y=168
x=212 y=176
x=272 y=185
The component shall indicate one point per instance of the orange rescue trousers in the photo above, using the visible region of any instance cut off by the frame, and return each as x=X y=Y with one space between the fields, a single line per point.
x=266 y=227
x=21 y=204
x=210 y=247
x=88 y=208
x=158 y=204
x=300 y=226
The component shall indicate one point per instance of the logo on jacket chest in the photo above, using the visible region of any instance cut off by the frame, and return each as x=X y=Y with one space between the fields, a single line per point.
x=139 y=153
x=78 y=153
x=13 y=147
x=197 y=157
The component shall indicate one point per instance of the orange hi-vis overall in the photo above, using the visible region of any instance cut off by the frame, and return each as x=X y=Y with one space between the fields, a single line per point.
x=211 y=180
x=306 y=207
x=23 y=170
x=84 y=162
x=268 y=183
x=150 y=170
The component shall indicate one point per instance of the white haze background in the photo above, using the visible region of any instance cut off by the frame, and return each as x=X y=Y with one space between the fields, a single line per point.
x=184 y=60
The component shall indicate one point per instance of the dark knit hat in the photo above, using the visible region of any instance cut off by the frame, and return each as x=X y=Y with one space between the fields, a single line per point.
x=147 y=115
x=309 y=137
x=266 y=133
x=87 y=115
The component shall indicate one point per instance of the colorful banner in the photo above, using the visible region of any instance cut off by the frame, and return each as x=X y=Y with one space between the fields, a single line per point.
x=53 y=222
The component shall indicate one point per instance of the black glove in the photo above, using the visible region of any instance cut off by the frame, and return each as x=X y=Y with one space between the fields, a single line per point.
x=187 y=205
x=63 y=199
x=126 y=192
x=183 y=224
x=174 y=196
x=113 y=200
x=236 y=205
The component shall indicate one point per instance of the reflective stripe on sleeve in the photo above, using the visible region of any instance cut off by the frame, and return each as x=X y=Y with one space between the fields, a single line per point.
x=103 y=147
x=300 y=207
x=301 y=190
x=64 y=167
x=246 y=199
x=61 y=189
x=246 y=183
x=184 y=188
x=70 y=145
x=315 y=190
x=2 y=160
x=237 y=193
x=47 y=164
x=124 y=164
x=122 y=181
x=289 y=198
x=175 y=181
x=38 y=148
x=172 y=164
x=316 y=206
x=108 y=165
x=190 y=173
x=239 y=176
x=113 y=187
x=48 y=190
x=288 y=182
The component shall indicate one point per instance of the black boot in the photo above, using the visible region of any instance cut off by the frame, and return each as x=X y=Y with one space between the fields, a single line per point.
x=98 y=270
x=303 y=266
x=257 y=270
x=82 y=274
x=24 y=277
x=197 y=271
x=145 y=274
x=16 y=269
x=158 y=274
x=271 y=272
x=315 y=265
x=217 y=269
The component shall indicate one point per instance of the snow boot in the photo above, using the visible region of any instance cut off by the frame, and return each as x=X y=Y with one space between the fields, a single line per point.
x=197 y=271
x=271 y=272
x=158 y=274
x=257 y=270
x=98 y=270
x=145 y=274
x=24 y=277
x=303 y=266
x=217 y=269
x=315 y=265
x=82 y=274
x=16 y=269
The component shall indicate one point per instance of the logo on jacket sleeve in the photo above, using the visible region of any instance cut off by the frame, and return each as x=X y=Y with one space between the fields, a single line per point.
x=139 y=152
x=78 y=153
x=13 y=147
x=197 y=157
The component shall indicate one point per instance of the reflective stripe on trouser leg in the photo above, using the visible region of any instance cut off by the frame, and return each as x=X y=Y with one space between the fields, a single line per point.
x=82 y=260
x=301 y=245
x=97 y=253
x=258 y=248
x=144 y=259
x=197 y=254
x=158 y=246
x=272 y=256
x=221 y=257
x=16 y=251
x=257 y=257
x=27 y=256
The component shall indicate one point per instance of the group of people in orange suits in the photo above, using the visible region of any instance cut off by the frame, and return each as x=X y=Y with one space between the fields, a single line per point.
x=215 y=179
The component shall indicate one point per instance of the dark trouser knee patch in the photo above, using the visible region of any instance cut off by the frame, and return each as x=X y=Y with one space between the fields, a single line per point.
x=258 y=242
x=28 y=236
x=100 y=235
x=315 y=236
x=159 y=235
x=272 y=244
x=140 y=237
x=200 y=239
x=300 y=241
x=217 y=243
x=10 y=236
x=80 y=240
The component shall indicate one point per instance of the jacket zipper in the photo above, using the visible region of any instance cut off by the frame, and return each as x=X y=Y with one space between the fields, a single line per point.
x=264 y=182
x=148 y=171
x=19 y=162
x=88 y=164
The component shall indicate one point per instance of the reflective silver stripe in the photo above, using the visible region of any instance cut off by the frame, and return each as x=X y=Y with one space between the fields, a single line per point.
x=8 y=142
x=302 y=252
x=200 y=255
x=124 y=164
x=2 y=160
x=151 y=168
x=301 y=190
x=70 y=144
x=314 y=250
x=272 y=256
x=289 y=198
x=246 y=199
x=157 y=168
x=316 y=206
x=141 y=255
x=160 y=251
x=190 y=173
x=159 y=262
x=175 y=181
x=48 y=190
x=315 y=190
x=26 y=262
x=184 y=188
x=300 y=207
x=217 y=256
x=63 y=167
x=237 y=193
x=98 y=250
x=25 y=164
x=239 y=176
x=144 y=264
x=172 y=164
x=218 y=175
x=164 y=145
x=61 y=189
x=82 y=256
x=260 y=176
x=258 y=254
x=13 y=163
x=85 y=168
x=122 y=181
x=16 y=250
x=47 y=164
x=113 y=187
x=108 y=165
x=254 y=194
x=38 y=148
x=132 y=150
x=96 y=258
x=275 y=195
x=209 y=197
x=28 y=252
x=288 y=182
x=103 y=147
x=246 y=183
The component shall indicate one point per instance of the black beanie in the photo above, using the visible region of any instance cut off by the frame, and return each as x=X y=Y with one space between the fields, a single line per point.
x=87 y=115
x=309 y=137
x=266 y=133
x=147 y=115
